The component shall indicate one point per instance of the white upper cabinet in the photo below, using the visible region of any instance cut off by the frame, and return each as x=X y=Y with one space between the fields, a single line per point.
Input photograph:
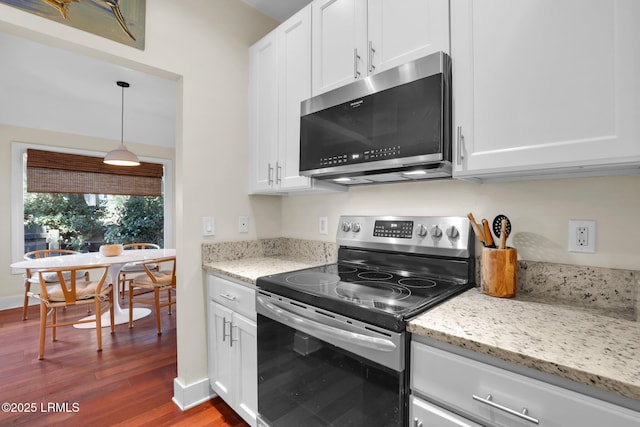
x=294 y=41
x=545 y=87
x=356 y=38
x=280 y=79
x=263 y=113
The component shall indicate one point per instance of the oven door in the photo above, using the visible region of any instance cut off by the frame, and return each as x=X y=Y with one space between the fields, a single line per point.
x=316 y=368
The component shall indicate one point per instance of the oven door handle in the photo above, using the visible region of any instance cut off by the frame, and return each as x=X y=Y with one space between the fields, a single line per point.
x=326 y=332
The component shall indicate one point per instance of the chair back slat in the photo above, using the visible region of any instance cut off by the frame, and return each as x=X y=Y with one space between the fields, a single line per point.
x=69 y=285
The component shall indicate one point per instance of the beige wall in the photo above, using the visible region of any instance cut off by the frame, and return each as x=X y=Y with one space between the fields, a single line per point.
x=538 y=210
x=204 y=45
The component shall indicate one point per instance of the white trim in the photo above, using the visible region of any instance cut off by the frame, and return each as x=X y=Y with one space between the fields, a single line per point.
x=188 y=396
x=14 y=301
x=17 y=205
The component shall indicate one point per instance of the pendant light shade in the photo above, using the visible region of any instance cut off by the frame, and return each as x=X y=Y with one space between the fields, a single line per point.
x=121 y=156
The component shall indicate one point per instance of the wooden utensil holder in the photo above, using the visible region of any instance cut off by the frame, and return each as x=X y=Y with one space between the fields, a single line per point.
x=499 y=272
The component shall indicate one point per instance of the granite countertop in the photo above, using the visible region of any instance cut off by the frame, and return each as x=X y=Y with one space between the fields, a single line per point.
x=249 y=269
x=574 y=343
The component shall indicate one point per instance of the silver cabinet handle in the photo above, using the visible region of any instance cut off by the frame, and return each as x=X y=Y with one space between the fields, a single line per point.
x=460 y=144
x=270 y=175
x=278 y=173
x=487 y=401
x=417 y=423
x=228 y=297
x=224 y=329
x=231 y=339
x=356 y=58
x=371 y=52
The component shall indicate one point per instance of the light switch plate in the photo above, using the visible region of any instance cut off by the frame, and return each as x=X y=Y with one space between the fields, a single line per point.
x=324 y=225
x=208 y=226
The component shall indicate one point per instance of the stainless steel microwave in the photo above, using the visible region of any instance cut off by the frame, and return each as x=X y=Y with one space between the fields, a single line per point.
x=392 y=126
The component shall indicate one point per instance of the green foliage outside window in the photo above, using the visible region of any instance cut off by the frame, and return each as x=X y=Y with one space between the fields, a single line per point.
x=83 y=227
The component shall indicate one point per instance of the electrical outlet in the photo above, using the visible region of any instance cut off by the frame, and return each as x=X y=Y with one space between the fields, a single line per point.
x=243 y=224
x=582 y=236
x=324 y=225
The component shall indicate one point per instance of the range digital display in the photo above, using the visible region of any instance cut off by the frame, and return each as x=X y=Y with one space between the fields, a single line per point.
x=398 y=229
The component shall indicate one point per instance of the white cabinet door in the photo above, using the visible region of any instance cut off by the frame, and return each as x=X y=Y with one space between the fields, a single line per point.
x=263 y=113
x=221 y=363
x=245 y=354
x=543 y=87
x=339 y=43
x=424 y=414
x=294 y=46
x=402 y=31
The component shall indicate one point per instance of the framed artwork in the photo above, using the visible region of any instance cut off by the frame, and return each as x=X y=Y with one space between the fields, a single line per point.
x=119 y=20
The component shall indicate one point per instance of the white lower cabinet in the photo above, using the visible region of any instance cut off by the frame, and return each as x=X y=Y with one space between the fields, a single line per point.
x=474 y=390
x=425 y=414
x=232 y=346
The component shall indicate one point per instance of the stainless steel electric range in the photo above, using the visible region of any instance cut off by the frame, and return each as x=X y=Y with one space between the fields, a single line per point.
x=332 y=346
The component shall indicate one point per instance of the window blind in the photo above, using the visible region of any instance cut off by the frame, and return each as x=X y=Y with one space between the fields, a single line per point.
x=53 y=172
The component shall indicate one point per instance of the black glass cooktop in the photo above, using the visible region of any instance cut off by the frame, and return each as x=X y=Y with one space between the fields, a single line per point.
x=380 y=296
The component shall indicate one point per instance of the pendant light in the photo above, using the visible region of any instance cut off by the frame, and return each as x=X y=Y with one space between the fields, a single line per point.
x=121 y=156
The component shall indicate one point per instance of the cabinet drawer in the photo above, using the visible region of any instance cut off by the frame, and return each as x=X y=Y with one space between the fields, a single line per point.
x=236 y=297
x=464 y=385
x=424 y=414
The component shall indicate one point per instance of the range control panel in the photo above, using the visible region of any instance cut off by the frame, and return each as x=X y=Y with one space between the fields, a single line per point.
x=432 y=235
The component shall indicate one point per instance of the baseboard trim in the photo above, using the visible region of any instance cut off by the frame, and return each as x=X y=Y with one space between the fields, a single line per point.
x=188 y=396
x=14 y=301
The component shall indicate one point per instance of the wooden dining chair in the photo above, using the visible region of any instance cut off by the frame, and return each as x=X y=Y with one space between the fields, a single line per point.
x=133 y=269
x=31 y=276
x=154 y=281
x=70 y=292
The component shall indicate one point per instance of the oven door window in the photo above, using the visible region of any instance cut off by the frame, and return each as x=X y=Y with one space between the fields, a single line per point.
x=304 y=381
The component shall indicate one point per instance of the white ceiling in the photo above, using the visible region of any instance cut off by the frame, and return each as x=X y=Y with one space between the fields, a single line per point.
x=44 y=87
x=279 y=10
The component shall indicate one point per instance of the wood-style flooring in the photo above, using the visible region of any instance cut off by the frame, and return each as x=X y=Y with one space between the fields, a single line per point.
x=128 y=383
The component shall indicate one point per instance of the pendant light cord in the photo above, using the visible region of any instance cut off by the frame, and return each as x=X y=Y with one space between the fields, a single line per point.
x=122 y=119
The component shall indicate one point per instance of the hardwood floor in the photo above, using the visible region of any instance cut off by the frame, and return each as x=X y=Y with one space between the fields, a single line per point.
x=129 y=383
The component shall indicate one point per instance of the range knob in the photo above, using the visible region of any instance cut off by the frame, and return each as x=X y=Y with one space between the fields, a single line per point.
x=355 y=227
x=436 y=232
x=421 y=230
x=453 y=232
x=346 y=226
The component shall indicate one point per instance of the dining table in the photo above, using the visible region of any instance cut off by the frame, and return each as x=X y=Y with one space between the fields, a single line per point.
x=121 y=315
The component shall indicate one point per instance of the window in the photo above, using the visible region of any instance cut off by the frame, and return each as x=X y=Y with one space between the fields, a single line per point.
x=82 y=220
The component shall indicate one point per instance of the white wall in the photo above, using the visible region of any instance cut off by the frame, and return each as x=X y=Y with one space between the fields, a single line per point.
x=203 y=44
x=539 y=212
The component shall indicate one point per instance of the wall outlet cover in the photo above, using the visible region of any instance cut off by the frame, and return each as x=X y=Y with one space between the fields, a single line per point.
x=243 y=224
x=324 y=225
x=582 y=235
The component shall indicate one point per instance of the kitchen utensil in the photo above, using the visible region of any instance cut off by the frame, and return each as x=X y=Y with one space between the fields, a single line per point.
x=488 y=238
x=497 y=225
x=503 y=234
x=476 y=228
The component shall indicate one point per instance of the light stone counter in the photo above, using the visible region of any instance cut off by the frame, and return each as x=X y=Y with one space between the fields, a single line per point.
x=246 y=260
x=249 y=269
x=573 y=343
